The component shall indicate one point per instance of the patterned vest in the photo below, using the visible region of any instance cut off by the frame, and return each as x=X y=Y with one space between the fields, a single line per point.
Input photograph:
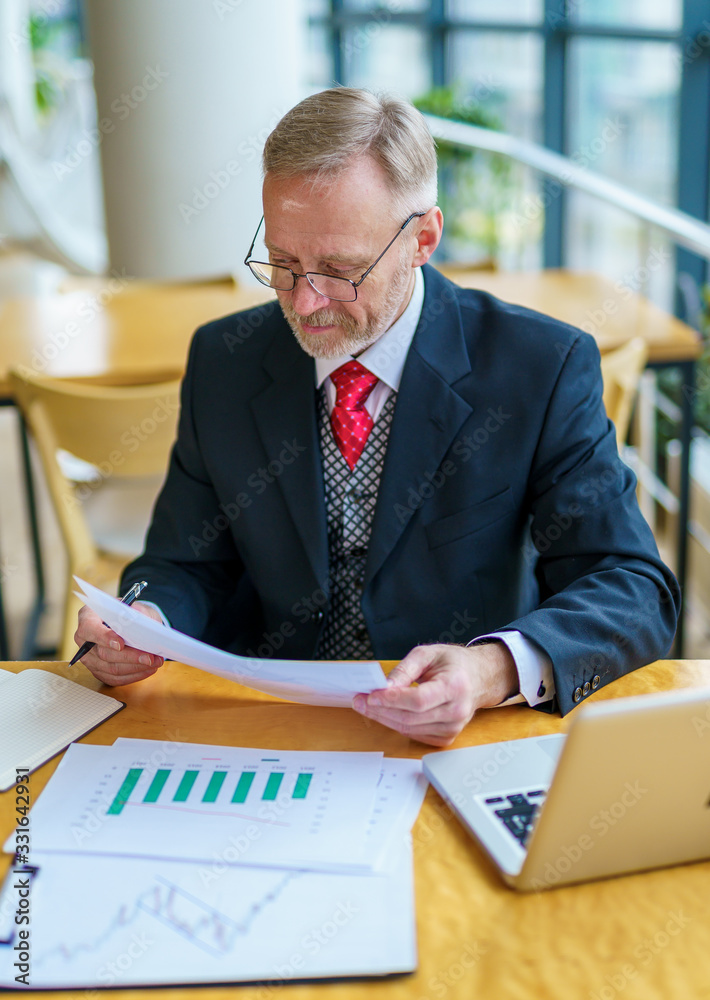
x=350 y=499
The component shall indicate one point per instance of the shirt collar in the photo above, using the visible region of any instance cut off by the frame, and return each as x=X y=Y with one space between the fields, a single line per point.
x=385 y=358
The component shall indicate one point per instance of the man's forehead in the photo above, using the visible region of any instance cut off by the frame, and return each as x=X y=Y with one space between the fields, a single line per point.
x=353 y=200
x=324 y=230
x=322 y=240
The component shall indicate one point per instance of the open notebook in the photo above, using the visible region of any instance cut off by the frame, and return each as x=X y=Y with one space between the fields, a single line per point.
x=40 y=715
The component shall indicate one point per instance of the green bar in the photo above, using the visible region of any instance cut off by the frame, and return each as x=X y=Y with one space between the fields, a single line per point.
x=124 y=792
x=185 y=786
x=214 y=785
x=302 y=783
x=156 y=786
x=246 y=779
x=272 y=785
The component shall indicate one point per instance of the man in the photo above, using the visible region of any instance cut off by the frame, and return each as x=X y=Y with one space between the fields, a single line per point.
x=390 y=461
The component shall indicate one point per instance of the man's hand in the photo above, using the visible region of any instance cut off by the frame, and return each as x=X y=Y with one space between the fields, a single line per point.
x=453 y=683
x=111 y=660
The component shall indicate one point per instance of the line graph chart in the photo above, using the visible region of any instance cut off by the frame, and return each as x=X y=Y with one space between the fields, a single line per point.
x=129 y=922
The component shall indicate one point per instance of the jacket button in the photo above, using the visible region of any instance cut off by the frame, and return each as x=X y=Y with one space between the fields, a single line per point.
x=317 y=616
x=596 y=681
x=577 y=696
x=587 y=688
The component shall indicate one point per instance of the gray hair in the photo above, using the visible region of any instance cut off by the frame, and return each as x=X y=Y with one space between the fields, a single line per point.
x=322 y=134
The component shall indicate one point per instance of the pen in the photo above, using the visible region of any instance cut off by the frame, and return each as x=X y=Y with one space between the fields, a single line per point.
x=128 y=598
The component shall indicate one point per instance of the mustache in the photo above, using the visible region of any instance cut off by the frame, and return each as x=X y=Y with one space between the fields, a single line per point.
x=322 y=317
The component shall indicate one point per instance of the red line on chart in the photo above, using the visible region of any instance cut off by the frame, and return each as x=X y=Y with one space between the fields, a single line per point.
x=204 y=812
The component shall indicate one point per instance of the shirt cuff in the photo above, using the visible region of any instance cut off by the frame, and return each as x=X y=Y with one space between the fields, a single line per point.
x=155 y=607
x=535 y=678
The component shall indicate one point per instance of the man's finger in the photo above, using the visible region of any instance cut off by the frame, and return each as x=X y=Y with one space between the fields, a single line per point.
x=437 y=732
x=396 y=718
x=92 y=629
x=423 y=698
x=127 y=655
x=414 y=664
x=119 y=679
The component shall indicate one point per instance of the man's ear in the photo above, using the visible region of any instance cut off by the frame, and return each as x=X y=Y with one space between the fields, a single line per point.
x=428 y=236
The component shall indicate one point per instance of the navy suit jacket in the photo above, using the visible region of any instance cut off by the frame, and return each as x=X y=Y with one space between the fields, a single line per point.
x=503 y=503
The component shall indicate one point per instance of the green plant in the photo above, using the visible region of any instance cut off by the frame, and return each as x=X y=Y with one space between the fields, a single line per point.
x=55 y=41
x=475 y=186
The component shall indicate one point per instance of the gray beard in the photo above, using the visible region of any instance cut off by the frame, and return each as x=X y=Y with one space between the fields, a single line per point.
x=354 y=338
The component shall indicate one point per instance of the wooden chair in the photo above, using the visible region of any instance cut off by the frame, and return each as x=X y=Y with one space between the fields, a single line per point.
x=621 y=371
x=124 y=432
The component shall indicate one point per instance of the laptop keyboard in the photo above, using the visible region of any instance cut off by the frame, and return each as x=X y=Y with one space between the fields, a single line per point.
x=517 y=811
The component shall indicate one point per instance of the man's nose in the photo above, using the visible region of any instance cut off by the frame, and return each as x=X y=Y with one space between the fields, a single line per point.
x=305 y=299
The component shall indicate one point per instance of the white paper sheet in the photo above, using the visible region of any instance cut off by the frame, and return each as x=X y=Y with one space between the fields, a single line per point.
x=202 y=802
x=309 y=682
x=400 y=792
x=100 y=922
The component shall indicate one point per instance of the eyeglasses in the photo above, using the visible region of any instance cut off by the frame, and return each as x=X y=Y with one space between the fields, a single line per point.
x=283 y=279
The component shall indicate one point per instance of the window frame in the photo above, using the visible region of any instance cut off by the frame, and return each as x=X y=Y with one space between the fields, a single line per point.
x=557 y=31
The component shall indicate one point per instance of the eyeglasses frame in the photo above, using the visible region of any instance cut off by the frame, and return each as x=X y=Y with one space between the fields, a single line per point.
x=355 y=284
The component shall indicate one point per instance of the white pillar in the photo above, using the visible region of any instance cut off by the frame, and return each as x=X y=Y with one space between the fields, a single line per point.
x=187 y=92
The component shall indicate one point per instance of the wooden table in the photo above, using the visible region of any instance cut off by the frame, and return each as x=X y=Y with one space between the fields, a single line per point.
x=118 y=330
x=477 y=939
x=612 y=313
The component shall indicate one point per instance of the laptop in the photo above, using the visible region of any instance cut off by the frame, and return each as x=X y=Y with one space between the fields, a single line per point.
x=626 y=789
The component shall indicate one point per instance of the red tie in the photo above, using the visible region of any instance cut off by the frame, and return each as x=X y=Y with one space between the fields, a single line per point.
x=350 y=420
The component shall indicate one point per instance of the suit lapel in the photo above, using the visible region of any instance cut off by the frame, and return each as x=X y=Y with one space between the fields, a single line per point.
x=292 y=394
x=427 y=416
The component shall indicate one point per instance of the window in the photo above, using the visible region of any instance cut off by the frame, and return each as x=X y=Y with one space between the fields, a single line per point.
x=623 y=86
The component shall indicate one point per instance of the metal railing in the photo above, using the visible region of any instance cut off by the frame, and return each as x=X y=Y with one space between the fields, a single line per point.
x=683 y=228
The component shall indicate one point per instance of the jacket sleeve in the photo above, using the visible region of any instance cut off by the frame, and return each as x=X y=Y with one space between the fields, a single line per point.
x=190 y=561
x=608 y=604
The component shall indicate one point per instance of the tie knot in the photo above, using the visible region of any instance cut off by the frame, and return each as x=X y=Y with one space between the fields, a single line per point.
x=353 y=384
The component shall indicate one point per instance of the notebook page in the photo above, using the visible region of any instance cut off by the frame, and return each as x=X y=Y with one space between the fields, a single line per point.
x=40 y=715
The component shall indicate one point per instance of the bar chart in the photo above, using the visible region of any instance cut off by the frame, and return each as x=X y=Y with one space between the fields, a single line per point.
x=200 y=802
x=167 y=785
